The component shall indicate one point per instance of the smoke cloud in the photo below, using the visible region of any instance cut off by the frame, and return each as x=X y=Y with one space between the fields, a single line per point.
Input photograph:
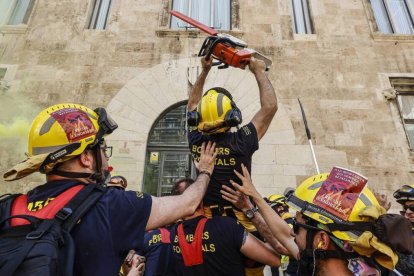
x=16 y=115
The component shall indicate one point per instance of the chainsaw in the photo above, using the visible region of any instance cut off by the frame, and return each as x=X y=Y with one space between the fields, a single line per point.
x=226 y=49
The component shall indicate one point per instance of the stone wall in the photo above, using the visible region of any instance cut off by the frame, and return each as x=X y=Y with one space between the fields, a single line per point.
x=137 y=68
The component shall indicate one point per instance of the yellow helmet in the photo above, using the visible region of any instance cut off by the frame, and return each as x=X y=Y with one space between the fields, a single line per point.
x=303 y=200
x=60 y=133
x=217 y=112
x=276 y=199
x=61 y=125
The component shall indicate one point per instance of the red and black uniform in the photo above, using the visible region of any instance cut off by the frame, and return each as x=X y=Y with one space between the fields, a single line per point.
x=221 y=239
x=105 y=234
x=234 y=148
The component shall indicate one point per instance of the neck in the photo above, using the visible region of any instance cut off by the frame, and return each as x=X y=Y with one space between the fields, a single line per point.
x=54 y=177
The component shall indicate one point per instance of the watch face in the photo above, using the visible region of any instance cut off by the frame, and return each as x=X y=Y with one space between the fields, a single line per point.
x=249 y=213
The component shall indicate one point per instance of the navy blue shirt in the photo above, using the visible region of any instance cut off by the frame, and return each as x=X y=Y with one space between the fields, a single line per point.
x=159 y=256
x=234 y=148
x=221 y=243
x=108 y=231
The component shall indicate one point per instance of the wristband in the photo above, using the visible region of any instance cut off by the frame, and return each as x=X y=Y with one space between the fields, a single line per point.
x=206 y=173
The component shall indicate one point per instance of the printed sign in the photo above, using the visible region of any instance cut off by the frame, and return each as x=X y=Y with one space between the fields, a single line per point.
x=154 y=157
x=340 y=191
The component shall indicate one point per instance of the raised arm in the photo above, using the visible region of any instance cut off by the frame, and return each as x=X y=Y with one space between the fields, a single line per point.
x=242 y=202
x=255 y=249
x=168 y=209
x=279 y=228
x=197 y=90
x=268 y=100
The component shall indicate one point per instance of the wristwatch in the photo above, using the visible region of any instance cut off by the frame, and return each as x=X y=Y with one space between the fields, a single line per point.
x=250 y=212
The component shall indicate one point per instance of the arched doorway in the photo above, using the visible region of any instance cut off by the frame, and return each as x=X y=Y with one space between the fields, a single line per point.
x=167 y=156
x=138 y=105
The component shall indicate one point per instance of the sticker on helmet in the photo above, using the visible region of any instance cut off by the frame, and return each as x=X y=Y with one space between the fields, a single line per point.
x=76 y=123
x=340 y=191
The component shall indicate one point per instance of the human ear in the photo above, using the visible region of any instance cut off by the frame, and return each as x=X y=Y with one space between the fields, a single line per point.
x=86 y=159
x=321 y=240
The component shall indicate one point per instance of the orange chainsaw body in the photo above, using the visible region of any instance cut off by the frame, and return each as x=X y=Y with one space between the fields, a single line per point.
x=232 y=56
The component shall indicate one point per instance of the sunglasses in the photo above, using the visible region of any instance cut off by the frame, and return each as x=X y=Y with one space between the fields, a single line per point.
x=411 y=208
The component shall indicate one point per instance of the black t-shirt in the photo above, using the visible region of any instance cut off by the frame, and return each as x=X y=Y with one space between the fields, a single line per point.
x=107 y=231
x=222 y=240
x=234 y=148
x=159 y=255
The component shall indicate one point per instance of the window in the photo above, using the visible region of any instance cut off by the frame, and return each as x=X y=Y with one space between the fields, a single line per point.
x=99 y=15
x=167 y=157
x=15 y=12
x=405 y=99
x=394 y=16
x=213 y=13
x=301 y=17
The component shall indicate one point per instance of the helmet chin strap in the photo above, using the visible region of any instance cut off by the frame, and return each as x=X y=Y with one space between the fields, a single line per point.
x=100 y=176
x=310 y=256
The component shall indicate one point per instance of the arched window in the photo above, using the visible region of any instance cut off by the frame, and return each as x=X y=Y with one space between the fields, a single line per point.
x=168 y=158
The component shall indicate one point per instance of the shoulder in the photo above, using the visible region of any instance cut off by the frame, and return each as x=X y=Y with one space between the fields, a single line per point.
x=247 y=130
x=193 y=134
x=225 y=222
x=117 y=198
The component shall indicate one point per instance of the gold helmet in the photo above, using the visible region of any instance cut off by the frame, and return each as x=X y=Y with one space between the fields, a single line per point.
x=60 y=133
x=217 y=112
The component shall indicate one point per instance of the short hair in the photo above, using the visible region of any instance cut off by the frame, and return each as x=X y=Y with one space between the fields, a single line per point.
x=175 y=188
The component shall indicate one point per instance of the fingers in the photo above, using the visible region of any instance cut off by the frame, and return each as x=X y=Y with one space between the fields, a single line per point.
x=203 y=147
x=130 y=256
x=211 y=149
x=141 y=267
x=239 y=175
x=245 y=171
x=236 y=186
x=229 y=194
x=228 y=199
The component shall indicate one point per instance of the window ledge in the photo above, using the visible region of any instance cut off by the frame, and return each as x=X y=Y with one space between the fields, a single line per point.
x=193 y=33
x=304 y=37
x=13 y=29
x=392 y=37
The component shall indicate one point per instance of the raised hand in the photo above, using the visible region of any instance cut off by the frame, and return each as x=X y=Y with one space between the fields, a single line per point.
x=382 y=200
x=207 y=156
x=247 y=188
x=237 y=198
x=257 y=66
x=206 y=63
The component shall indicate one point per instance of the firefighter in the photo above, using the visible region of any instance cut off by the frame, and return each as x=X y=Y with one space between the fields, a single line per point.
x=157 y=245
x=325 y=244
x=405 y=197
x=215 y=246
x=210 y=118
x=67 y=144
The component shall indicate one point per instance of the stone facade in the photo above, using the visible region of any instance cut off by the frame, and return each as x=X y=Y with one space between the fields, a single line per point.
x=138 y=68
